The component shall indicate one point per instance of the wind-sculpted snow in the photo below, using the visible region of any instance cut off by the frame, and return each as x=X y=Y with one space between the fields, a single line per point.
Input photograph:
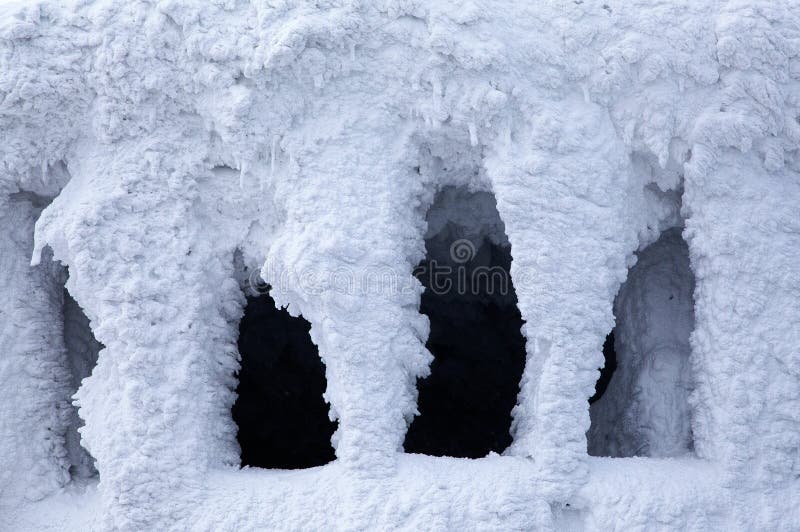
x=309 y=139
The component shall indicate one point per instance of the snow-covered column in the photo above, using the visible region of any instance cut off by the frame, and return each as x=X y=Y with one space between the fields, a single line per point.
x=344 y=259
x=34 y=378
x=563 y=188
x=159 y=288
x=743 y=231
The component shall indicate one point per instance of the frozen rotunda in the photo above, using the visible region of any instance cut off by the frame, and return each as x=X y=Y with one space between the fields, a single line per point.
x=394 y=264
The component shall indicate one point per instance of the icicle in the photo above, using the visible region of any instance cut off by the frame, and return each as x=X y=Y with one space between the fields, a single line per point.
x=663 y=157
x=586 y=97
x=507 y=133
x=437 y=95
x=473 y=134
x=44 y=172
x=272 y=156
x=36 y=258
x=352 y=51
x=628 y=132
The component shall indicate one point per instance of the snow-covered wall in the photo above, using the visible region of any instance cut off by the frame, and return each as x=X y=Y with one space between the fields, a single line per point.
x=310 y=138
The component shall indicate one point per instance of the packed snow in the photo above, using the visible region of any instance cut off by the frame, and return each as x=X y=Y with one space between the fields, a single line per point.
x=644 y=160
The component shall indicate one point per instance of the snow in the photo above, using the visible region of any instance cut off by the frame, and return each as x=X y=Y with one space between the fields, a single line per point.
x=74 y=507
x=309 y=140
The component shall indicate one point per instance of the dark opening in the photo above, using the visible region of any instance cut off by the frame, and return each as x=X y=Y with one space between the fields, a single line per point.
x=607 y=371
x=641 y=406
x=479 y=352
x=282 y=417
x=82 y=351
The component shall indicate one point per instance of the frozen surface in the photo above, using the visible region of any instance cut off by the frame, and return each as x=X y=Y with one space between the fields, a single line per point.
x=429 y=493
x=75 y=507
x=309 y=139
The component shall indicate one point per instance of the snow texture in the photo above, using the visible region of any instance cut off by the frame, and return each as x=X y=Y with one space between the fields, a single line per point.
x=309 y=139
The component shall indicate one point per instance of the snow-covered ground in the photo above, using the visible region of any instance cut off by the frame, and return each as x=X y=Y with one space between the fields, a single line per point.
x=428 y=493
x=144 y=145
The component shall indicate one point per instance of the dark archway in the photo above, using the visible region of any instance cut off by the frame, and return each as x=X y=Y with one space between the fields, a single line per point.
x=479 y=352
x=281 y=414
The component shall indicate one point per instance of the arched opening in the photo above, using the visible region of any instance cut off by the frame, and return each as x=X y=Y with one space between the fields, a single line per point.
x=644 y=410
x=479 y=352
x=50 y=341
x=82 y=349
x=281 y=414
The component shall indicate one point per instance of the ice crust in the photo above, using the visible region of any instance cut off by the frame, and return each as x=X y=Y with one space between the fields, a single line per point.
x=309 y=139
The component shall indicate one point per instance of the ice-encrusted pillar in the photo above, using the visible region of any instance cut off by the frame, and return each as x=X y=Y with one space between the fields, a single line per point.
x=344 y=259
x=158 y=284
x=564 y=191
x=743 y=231
x=34 y=377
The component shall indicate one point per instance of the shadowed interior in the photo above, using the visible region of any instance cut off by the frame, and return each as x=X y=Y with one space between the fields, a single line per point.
x=282 y=417
x=479 y=352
